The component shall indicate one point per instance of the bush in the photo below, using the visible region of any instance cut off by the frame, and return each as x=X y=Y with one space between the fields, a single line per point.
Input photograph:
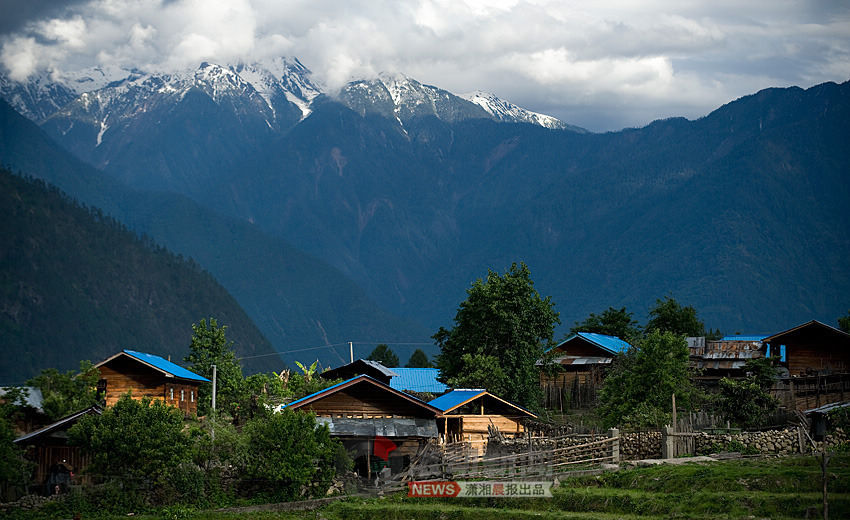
x=288 y=456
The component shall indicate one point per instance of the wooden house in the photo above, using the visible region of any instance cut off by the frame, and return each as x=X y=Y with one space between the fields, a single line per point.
x=581 y=360
x=812 y=348
x=56 y=462
x=148 y=375
x=466 y=414
x=379 y=425
x=373 y=369
x=817 y=359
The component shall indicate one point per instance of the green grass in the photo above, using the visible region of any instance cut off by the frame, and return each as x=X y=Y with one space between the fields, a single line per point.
x=747 y=488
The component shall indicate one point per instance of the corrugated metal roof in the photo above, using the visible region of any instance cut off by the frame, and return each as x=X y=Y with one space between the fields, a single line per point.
x=32 y=399
x=456 y=398
x=739 y=337
x=358 y=380
x=828 y=407
x=166 y=366
x=611 y=344
x=386 y=427
x=58 y=425
x=418 y=380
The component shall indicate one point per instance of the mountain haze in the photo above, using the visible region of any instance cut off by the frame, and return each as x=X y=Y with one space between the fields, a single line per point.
x=412 y=192
x=77 y=285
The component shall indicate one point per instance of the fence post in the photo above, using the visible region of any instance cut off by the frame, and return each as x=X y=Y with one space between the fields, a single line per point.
x=614 y=433
x=668 y=443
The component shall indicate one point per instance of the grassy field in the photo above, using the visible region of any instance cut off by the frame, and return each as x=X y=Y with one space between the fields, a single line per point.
x=788 y=487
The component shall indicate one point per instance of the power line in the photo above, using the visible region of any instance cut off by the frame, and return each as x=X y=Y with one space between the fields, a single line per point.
x=332 y=346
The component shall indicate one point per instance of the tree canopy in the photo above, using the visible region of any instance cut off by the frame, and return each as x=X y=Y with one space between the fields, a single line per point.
x=384 y=355
x=844 y=323
x=210 y=347
x=69 y=392
x=638 y=390
x=136 y=441
x=419 y=359
x=612 y=322
x=747 y=402
x=500 y=331
x=669 y=316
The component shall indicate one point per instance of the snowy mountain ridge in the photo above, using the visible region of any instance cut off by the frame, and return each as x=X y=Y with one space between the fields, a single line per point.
x=100 y=91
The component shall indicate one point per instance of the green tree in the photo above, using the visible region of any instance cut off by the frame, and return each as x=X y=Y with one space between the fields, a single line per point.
x=419 y=359
x=210 y=347
x=64 y=394
x=287 y=452
x=669 y=316
x=612 y=322
x=747 y=402
x=638 y=390
x=384 y=355
x=14 y=469
x=500 y=331
x=136 y=441
x=844 y=323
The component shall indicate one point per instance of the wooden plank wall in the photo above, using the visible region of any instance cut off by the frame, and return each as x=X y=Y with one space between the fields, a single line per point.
x=124 y=375
x=365 y=403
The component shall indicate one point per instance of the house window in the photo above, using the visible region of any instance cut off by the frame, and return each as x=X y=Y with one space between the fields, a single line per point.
x=192 y=396
x=182 y=395
x=171 y=393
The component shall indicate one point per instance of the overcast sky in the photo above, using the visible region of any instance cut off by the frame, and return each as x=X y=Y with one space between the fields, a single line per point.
x=603 y=65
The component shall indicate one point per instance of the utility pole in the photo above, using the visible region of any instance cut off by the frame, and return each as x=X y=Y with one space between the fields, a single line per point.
x=351 y=351
x=213 y=392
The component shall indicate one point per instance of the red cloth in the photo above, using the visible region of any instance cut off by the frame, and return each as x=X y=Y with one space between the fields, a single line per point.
x=382 y=447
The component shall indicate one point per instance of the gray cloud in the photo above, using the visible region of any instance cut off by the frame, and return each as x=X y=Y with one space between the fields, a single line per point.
x=603 y=65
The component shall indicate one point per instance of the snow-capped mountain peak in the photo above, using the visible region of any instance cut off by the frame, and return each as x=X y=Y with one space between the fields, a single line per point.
x=503 y=110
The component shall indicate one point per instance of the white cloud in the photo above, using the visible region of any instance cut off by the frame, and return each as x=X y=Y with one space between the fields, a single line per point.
x=572 y=59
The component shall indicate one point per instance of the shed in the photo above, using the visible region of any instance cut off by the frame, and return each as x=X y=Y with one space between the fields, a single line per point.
x=148 y=375
x=55 y=460
x=726 y=357
x=466 y=415
x=379 y=425
x=583 y=359
x=374 y=369
x=812 y=348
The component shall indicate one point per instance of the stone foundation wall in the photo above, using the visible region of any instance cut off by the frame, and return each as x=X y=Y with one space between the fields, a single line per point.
x=772 y=442
x=640 y=445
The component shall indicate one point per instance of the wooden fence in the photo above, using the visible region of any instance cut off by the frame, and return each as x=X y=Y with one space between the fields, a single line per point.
x=458 y=462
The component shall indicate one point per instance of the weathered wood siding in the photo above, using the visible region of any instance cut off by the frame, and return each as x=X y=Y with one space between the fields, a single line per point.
x=124 y=375
x=365 y=401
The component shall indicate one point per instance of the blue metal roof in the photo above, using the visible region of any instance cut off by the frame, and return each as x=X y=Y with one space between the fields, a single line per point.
x=418 y=380
x=323 y=391
x=455 y=398
x=166 y=366
x=611 y=344
x=739 y=337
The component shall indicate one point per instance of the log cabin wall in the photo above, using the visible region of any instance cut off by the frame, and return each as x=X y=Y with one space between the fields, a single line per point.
x=365 y=401
x=124 y=374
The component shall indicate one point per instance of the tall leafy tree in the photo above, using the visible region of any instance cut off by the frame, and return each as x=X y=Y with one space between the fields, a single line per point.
x=384 y=355
x=69 y=392
x=138 y=442
x=612 y=322
x=210 y=347
x=638 y=390
x=669 y=316
x=419 y=359
x=500 y=331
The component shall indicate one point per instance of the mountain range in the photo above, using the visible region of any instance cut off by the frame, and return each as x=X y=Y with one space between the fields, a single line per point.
x=408 y=193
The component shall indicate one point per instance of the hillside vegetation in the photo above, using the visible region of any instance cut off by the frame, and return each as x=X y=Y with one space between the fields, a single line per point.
x=76 y=284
